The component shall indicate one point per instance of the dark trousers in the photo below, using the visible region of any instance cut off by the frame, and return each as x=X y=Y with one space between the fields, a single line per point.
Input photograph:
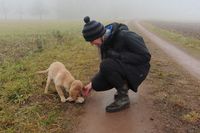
x=111 y=75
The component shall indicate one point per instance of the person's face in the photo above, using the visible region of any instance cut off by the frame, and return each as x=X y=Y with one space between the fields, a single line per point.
x=97 y=42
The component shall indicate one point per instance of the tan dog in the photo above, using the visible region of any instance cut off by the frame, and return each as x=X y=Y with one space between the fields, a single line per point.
x=63 y=78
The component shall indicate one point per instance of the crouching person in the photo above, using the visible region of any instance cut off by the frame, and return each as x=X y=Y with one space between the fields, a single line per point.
x=125 y=60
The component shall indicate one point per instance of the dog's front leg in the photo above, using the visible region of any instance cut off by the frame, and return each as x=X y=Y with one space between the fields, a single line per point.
x=70 y=99
x=60 y=93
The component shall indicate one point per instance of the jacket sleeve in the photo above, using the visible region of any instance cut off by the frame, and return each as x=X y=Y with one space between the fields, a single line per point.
x=136 y=52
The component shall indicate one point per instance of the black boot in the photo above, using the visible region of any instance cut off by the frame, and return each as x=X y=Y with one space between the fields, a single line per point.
x=116 y=95
x=121 y=100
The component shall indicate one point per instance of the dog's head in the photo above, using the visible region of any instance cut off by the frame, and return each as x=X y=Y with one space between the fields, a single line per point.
x=77 y=86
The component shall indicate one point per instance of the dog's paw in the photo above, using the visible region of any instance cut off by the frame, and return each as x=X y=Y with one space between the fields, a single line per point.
x=70 y=99
x=80 y=100
x=63 y=100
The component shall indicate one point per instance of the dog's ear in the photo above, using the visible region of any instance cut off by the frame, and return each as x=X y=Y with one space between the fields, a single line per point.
x=82 y=90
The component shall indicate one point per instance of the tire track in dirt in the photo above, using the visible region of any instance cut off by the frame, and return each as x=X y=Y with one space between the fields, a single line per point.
x=189 y=63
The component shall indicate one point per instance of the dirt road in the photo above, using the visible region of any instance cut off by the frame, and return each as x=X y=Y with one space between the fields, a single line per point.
x=139 y=117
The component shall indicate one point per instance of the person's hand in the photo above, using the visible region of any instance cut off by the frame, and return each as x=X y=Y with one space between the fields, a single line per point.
x=113 y=54
x=87 y=89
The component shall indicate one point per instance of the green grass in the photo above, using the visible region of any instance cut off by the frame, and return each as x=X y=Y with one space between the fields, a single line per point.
x=23 y=106
x=189 y=44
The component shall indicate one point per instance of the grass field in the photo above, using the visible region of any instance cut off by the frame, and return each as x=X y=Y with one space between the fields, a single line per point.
x=184 y=28
x=184 y=36
x=26 y=47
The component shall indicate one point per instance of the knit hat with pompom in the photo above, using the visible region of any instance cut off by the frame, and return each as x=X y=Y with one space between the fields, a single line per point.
x=92 y=29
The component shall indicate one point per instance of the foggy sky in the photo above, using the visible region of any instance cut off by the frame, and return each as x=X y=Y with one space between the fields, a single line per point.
x=175 y=10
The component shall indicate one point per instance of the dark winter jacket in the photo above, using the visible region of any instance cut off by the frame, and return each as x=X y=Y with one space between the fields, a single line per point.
x=129 y=50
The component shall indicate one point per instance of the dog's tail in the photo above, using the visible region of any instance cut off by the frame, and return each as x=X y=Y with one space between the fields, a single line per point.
x=44 y=71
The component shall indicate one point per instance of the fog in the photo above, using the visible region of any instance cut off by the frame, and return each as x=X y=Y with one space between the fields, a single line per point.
x=170 y=10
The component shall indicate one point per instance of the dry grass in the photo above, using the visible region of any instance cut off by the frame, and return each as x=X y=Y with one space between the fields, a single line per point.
x=23 y=106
